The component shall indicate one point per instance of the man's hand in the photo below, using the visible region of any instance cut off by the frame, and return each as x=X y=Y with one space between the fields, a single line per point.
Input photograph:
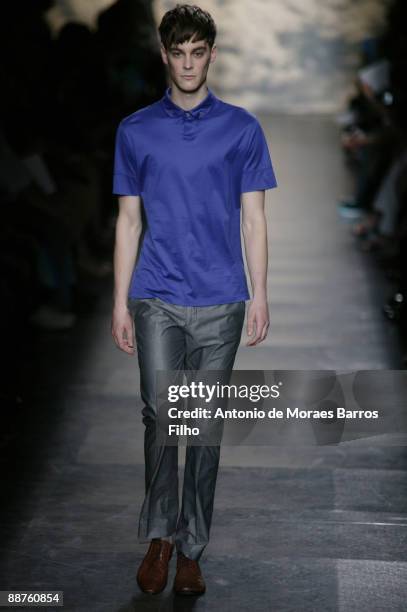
x=258 y=321
x=123 y=329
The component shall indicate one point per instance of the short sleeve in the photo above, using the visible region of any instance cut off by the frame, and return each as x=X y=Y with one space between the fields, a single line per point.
x=125 y=179
x=257 y=172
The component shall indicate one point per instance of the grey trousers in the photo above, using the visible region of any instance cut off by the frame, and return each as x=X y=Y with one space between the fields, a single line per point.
x=173 y=337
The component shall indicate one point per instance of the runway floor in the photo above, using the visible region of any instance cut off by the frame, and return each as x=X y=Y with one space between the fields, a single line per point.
x=310 y=528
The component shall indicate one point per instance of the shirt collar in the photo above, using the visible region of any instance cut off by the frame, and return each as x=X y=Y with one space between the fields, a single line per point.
x=198 y=111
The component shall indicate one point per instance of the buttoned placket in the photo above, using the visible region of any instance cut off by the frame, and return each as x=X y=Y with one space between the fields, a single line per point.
x=189 y=124
x=189 y=119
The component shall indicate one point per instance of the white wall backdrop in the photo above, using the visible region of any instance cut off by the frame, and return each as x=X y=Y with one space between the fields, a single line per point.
x=282 y=55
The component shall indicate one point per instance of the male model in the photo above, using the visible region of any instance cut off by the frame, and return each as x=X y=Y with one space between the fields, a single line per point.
x=194 y=162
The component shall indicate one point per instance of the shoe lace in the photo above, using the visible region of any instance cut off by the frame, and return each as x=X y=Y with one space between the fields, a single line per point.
x=186 y=561
x=157 y=549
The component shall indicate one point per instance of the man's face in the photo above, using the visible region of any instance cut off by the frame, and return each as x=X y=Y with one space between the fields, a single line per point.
x=188 y=63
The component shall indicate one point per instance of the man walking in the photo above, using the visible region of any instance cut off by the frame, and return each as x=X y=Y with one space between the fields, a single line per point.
x=193 y=163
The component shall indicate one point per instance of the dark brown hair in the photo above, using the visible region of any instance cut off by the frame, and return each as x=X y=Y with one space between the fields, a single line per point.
x=184 y=21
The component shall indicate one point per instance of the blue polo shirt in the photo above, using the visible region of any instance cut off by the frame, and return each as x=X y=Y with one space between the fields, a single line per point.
x=190 y=169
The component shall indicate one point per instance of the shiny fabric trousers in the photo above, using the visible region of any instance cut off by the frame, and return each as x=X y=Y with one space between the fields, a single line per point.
x=174 y=337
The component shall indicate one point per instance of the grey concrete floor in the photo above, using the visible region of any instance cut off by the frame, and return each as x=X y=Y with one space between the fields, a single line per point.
x=310 y=528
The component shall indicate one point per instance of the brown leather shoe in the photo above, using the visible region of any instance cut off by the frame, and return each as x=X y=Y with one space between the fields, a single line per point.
x=188 y=579
x=152 y=574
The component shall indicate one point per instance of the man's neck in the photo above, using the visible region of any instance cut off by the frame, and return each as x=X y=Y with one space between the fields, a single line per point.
x=190 y=99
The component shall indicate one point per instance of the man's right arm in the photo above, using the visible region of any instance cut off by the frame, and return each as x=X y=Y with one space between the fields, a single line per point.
x=128 y=231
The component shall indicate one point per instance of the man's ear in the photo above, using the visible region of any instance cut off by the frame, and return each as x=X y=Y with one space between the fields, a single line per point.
x=213 y=53
x=163 y=54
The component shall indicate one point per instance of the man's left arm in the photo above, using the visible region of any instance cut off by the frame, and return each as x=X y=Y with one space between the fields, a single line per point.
x=254 y=229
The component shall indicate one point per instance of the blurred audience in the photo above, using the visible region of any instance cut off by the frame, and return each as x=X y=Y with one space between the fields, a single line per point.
x=374 y=143
x=63 y=96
